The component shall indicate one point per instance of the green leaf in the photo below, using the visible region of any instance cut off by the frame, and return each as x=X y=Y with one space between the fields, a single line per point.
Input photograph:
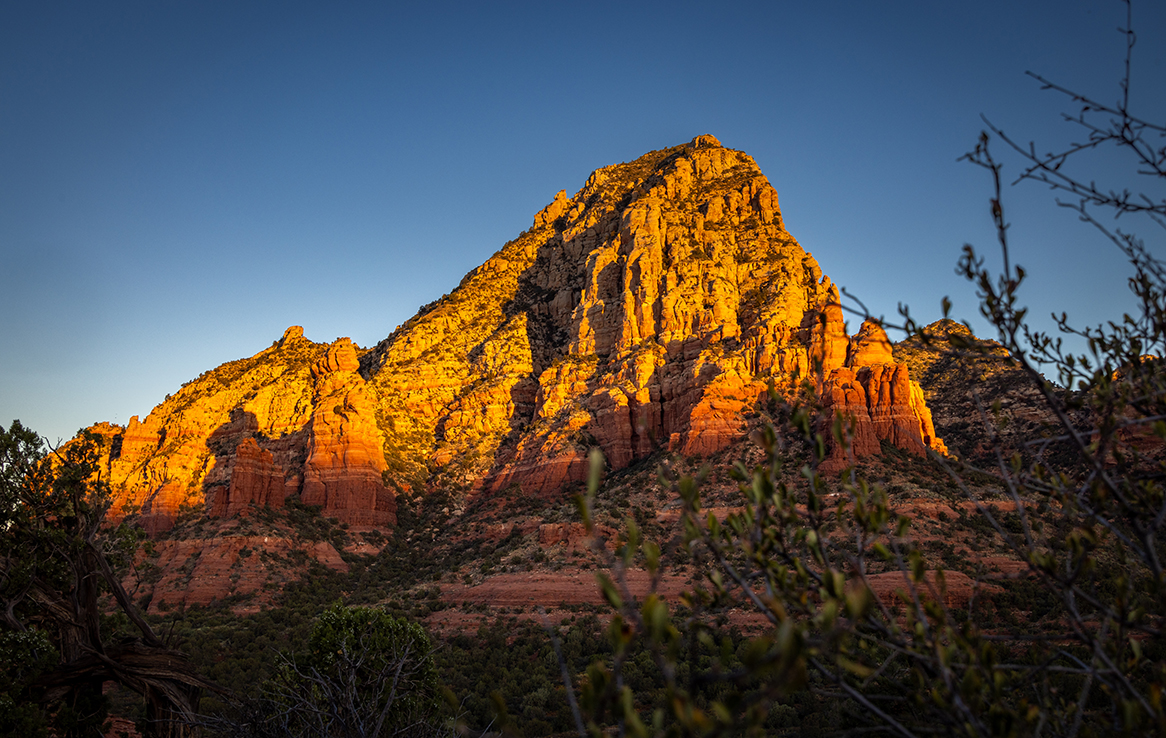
x=859 y=670
x=858 y=601
x=595 y=472
x=835 y=583
x=610 y=593
x=584 y=510
x=651 y=556
x=655 y=614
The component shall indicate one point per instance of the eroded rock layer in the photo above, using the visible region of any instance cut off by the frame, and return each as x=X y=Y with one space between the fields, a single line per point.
x=344 y=470
x=291 y=420
x=651 y=310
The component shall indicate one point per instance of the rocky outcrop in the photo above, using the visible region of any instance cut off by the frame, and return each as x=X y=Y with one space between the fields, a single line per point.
x=242 y=435
x=877 y=401
x=574 y=536
x=343 y=471
x=963 y=378
x=255 y=482
x=829 y=344
x=198 y=571
x=186 y=446
x=870 y=346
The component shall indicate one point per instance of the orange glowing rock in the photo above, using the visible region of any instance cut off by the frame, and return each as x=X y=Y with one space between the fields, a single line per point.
x=878 y=401
x=343 y=471
x=653 y=309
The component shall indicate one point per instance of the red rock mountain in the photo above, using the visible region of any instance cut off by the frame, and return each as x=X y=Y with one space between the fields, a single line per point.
x=651 y=310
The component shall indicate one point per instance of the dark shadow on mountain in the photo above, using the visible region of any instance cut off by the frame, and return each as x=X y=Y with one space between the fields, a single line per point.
x=222 y=442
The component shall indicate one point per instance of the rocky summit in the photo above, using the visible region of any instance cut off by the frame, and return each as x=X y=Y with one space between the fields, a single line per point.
x=651 y=311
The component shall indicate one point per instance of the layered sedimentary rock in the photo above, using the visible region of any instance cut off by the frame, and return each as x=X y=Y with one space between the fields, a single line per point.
x=649 y=311
x=252 y=432
x=182 y=454
x=870 y=346
x=255 y=481
x=197 y=571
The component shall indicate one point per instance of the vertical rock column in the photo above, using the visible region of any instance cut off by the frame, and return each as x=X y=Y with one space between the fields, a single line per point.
x=345 y=454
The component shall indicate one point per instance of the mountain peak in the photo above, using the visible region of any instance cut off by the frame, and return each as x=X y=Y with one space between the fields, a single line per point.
x=651 y=310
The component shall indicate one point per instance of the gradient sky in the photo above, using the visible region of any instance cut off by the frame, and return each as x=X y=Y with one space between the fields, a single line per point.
x=181 y=181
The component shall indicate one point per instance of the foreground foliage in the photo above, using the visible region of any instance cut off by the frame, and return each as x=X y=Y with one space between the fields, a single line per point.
x=364 y=674
x=59 y=576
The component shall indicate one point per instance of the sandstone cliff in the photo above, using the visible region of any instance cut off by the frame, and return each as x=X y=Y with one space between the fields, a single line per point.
x=343 y=471
x=252 y=432
x=651 y=310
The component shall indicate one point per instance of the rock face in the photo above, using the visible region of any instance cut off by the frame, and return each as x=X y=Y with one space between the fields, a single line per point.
x=197 y=571
x=649 y=311
x=182 y=454
x=252 y=432
x=255 y=481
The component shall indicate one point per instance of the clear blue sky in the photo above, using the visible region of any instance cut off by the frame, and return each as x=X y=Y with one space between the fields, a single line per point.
x=181 y=181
